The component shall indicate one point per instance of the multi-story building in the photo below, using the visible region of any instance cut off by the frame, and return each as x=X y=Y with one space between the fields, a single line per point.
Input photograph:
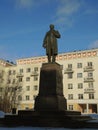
x=80 y=83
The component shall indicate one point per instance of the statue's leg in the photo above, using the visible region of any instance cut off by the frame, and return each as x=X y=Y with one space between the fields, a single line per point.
x=53 y=58
x=49 y=58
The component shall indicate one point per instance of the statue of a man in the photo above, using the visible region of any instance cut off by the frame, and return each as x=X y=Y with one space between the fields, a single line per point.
x=50 y=43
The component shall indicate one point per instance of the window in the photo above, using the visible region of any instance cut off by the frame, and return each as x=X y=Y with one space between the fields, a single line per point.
x=70 y=75
x=69 y=65
x=70 y=86
x=35 y=87
x=27 y=88
x=89 y=64
x=19 y=98
x=70 y=107
x=28 y=70
x=20 y=88
x=90 y=75
x=35 y=78
x=9 y=81
x=27 y=97
x=79 y=65
x=14 y=72
x=21 y=70
x=70 y=96
x=35 y=69
x=80 y=85
x=79 y=75
x=9 y=72
x=90 y=85
x=1 y=73
x=20 y=79
x=13 y=81
x=27 y=78
x=1 y=80
x=10 y=89
x=91 y=96
x=80 y=96
x=1 y=89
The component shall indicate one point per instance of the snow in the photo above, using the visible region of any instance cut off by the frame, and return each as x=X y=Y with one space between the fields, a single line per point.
x=2 y=114
x=94 y=117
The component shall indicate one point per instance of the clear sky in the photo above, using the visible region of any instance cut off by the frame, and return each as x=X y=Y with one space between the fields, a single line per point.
x=23 y=24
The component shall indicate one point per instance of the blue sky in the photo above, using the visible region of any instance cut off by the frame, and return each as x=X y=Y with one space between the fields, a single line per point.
x=23 y=24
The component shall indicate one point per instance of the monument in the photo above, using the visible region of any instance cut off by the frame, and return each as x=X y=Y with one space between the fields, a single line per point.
x=50 y=109
x=50 y=96
x=50 y=102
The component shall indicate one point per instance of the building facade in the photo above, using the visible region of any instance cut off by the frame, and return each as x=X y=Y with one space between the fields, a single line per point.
x=80 y=83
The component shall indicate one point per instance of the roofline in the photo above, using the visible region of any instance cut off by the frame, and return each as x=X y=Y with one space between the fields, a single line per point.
x=75 y=51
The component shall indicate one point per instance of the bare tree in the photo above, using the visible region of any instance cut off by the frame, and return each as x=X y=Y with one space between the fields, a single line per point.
x=10 y=90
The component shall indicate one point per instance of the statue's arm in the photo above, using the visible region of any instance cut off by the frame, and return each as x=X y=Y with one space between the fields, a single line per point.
x=57 y=34
x=45 y=41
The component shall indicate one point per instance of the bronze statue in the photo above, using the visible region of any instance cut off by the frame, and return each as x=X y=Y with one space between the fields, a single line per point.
x=50 y=43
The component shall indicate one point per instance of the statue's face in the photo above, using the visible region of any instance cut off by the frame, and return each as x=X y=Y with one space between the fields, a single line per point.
x=51 y=26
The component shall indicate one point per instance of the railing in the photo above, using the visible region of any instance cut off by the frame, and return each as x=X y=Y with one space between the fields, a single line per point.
x=34 y=73
x=89 y=79
x=89 y=90
x=68 y=70
x=19 y=75
x=88 y=68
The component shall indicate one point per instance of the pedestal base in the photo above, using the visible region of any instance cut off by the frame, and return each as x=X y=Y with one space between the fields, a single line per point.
x=67 y=119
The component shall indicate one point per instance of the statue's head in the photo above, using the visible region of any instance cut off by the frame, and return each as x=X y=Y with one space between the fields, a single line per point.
x=51 y=26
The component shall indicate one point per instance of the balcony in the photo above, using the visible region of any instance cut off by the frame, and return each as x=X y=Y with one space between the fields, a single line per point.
x=68 y=70
x=19 y=75
x=89 y=90
x=34 y=73
x=88 y=68
x=89 y=79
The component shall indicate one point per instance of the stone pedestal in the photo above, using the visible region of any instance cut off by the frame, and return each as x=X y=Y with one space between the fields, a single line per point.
x=50 y=97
